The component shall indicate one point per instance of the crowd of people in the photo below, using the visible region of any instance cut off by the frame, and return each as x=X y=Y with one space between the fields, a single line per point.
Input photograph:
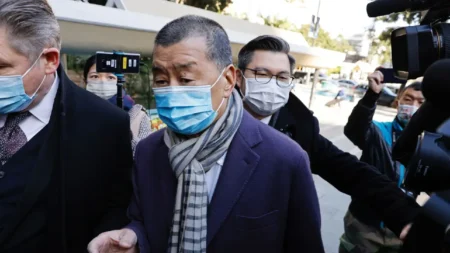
x=232 y=172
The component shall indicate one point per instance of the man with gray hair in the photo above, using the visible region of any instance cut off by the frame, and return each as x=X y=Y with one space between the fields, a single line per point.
x=65 y=154
x=216 y=180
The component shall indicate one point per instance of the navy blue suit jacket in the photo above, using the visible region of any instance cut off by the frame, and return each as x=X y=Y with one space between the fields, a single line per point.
x=264 y=201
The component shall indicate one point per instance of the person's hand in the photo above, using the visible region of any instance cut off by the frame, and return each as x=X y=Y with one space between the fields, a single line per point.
x=119 y=241
x=376 y=81
x=405 y=232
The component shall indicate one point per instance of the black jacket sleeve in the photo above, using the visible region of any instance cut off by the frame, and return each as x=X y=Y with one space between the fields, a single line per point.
x=121 y=187
x=362 y=181
x=359 y=127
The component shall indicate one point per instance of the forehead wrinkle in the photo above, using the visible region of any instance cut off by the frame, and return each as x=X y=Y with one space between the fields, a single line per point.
x=184 y=66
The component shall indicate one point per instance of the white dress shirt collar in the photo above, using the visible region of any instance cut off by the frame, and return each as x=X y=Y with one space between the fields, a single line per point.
x=266 y=120
x=43 y=110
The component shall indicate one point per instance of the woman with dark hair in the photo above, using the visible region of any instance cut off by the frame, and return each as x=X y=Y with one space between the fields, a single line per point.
x=104 y=85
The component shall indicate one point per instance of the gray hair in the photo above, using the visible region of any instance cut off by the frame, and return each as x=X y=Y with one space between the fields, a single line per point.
x=30 y=25
x=218 y=44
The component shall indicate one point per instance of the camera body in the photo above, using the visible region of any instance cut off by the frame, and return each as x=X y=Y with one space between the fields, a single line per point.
x=119 y=63
x=417 y=51
x=415 y=48
x=428 y=169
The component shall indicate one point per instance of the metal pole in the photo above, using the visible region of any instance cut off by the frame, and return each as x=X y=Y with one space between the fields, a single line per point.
x=316 y=77
x=316 y=73
x=317 y=17
x=120 y=83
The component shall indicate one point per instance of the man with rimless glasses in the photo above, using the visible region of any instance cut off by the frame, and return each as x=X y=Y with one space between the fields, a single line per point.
x=264 y=93
x=265 y=81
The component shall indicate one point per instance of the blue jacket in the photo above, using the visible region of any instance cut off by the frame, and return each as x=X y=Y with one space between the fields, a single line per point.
x=390 y=131
x=264 y=201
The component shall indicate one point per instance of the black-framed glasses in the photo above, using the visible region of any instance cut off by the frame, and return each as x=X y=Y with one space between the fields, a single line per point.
x=263 y=76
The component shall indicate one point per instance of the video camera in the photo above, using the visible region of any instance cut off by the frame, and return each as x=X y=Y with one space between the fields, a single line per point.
x=415 y=48
x=119 y=63
x=424 y=146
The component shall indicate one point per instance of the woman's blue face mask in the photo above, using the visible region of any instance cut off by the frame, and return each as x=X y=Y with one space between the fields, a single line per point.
x=186 y=110
x=12 y=92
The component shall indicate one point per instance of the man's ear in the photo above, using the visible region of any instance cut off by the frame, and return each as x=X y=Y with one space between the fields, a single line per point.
x=239 y=78
x=395 y=103
x=51 y=56
x=230 y=77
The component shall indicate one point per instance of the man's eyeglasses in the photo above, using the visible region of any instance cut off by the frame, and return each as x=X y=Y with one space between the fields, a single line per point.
x=263 y=77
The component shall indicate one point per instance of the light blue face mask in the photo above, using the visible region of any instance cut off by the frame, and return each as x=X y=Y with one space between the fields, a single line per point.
x=186 y=110
x=12 y=92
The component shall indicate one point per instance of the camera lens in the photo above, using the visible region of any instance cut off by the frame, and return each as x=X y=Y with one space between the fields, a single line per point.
x=415 y=48
x=442 y=38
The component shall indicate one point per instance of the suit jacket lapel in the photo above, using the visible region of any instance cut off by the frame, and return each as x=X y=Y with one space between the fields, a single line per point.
x=240 y=163
x=161 y=186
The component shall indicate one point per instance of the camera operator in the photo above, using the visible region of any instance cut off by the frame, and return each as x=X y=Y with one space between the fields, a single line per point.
x=104 y=85
x=364 y=230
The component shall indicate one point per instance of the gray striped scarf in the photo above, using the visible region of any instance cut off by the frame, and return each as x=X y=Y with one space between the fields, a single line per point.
x=190 y=160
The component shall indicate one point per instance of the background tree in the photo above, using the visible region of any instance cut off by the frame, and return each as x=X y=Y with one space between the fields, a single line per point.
x=382 y=50
x=295 y=1
x=408 y=17
x=279 y=23
x=211 y=5
x=324 y=40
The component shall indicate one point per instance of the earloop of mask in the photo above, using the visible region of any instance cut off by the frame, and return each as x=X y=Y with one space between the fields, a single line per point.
x=223 y=98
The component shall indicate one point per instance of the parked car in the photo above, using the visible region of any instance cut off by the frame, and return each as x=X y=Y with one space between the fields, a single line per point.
x=348 y=83
x=387 y=96
x=330 y=85
x=301 y=77
x=321 y=77
x=361 y=89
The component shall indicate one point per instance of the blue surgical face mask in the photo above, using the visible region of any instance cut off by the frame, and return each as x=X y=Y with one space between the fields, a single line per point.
x=12 y=92
x=186 y=110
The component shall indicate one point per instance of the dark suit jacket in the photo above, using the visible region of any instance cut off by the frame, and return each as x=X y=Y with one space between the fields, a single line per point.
x=85 y=165
x=264 y=201
x=343 y=170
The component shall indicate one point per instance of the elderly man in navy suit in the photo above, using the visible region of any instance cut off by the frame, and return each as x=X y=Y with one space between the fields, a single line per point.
x=217 y=180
